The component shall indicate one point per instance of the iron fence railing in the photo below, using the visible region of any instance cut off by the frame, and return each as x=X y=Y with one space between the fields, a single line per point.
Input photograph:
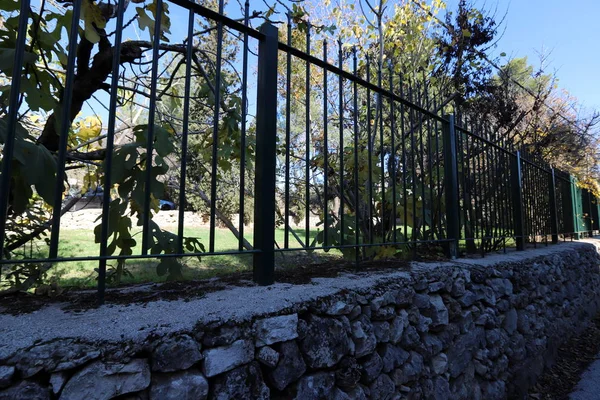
x=334 y=138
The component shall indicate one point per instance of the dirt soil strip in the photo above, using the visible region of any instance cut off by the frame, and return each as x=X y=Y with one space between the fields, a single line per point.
x=573 y=358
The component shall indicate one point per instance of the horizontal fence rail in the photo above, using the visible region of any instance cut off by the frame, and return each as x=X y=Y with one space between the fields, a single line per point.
x=282 y=141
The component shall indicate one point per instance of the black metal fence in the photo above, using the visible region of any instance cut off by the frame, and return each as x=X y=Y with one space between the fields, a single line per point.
x=335 y=138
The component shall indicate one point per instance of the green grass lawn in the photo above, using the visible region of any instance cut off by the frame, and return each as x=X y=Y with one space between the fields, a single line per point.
x=80 y=243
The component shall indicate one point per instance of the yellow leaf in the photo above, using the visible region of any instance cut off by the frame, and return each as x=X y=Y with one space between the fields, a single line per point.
x=91 y=15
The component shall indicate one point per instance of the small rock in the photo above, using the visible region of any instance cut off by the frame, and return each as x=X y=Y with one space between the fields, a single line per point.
x=404 y=296
x=435 y=287
x=384 y=313
x=461 y=353
x=103 y=381
x=502 y=287
x=356 y=393
x=175 y=354
x=225 y=358
x=437 y=312
x=397 y=326
x=185 y=385
x=392 y=357
x=356 y=311
x=410 y=371
x=267 y=356
x=432 y=345
x=315 y=387
x=467 y=299
x=458 y=288
x=57 y=381
x=421 y=301
x=382 y=331
x=410 y=338
x=382 y=387
x=6 y=374
x=510 y=321
x=222 y=336
x=290 y=367
x=338 y=307
x=439 y=364
x=371 y=367
x=363 y=336
x=348 y=373
x=276 y=329
x=441 y=389
x=243 y=383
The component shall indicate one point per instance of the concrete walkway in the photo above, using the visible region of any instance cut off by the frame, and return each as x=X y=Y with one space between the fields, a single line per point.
x=588 y=387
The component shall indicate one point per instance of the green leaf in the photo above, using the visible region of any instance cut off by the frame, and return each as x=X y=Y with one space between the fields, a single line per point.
x=9 y=5
x=7 y=59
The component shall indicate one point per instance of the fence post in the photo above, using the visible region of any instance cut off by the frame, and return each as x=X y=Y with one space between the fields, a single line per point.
x=266 y=135
x=553 y=210
x=575 y=206
x=517 y=197
x=451 y=182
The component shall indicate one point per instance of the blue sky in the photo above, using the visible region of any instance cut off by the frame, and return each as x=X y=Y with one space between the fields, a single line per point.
x=566 y=30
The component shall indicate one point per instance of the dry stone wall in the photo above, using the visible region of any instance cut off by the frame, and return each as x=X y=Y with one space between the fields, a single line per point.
x=460 y=330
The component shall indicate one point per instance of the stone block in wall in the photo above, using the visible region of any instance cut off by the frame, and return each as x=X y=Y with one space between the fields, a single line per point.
x=58 y=380
x=409 y=371
x=58 y=355
x=99 y=380
x=382 y=388
x=348 y=373
x=437 y=311
x=25 y=390
x=356 y=393
x=315 y=387
x=325 y=343
x=221 y=336
x=242 y=383
x=6 y=374
x=372 y=365
x=290 y=368
x=461 y=353
x=225 y=358
x=183 y=385
x=267 y=356
x=276 y=329
x=439 y=364
x=363 y=336
x=176 y=354
x=392 y=356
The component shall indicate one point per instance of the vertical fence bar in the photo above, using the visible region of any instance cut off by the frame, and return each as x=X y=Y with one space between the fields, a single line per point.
x=451 y=181
x=325 y=154
x=215 y=134
x=266 y=135
x=13 y=106
x=575 y=194
x=288 y=129
x=517 y=197
x=243 y=132
x=64 y=126
x=307 y=144
x=110 y=139
x=146 y=233
x=553 y=207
